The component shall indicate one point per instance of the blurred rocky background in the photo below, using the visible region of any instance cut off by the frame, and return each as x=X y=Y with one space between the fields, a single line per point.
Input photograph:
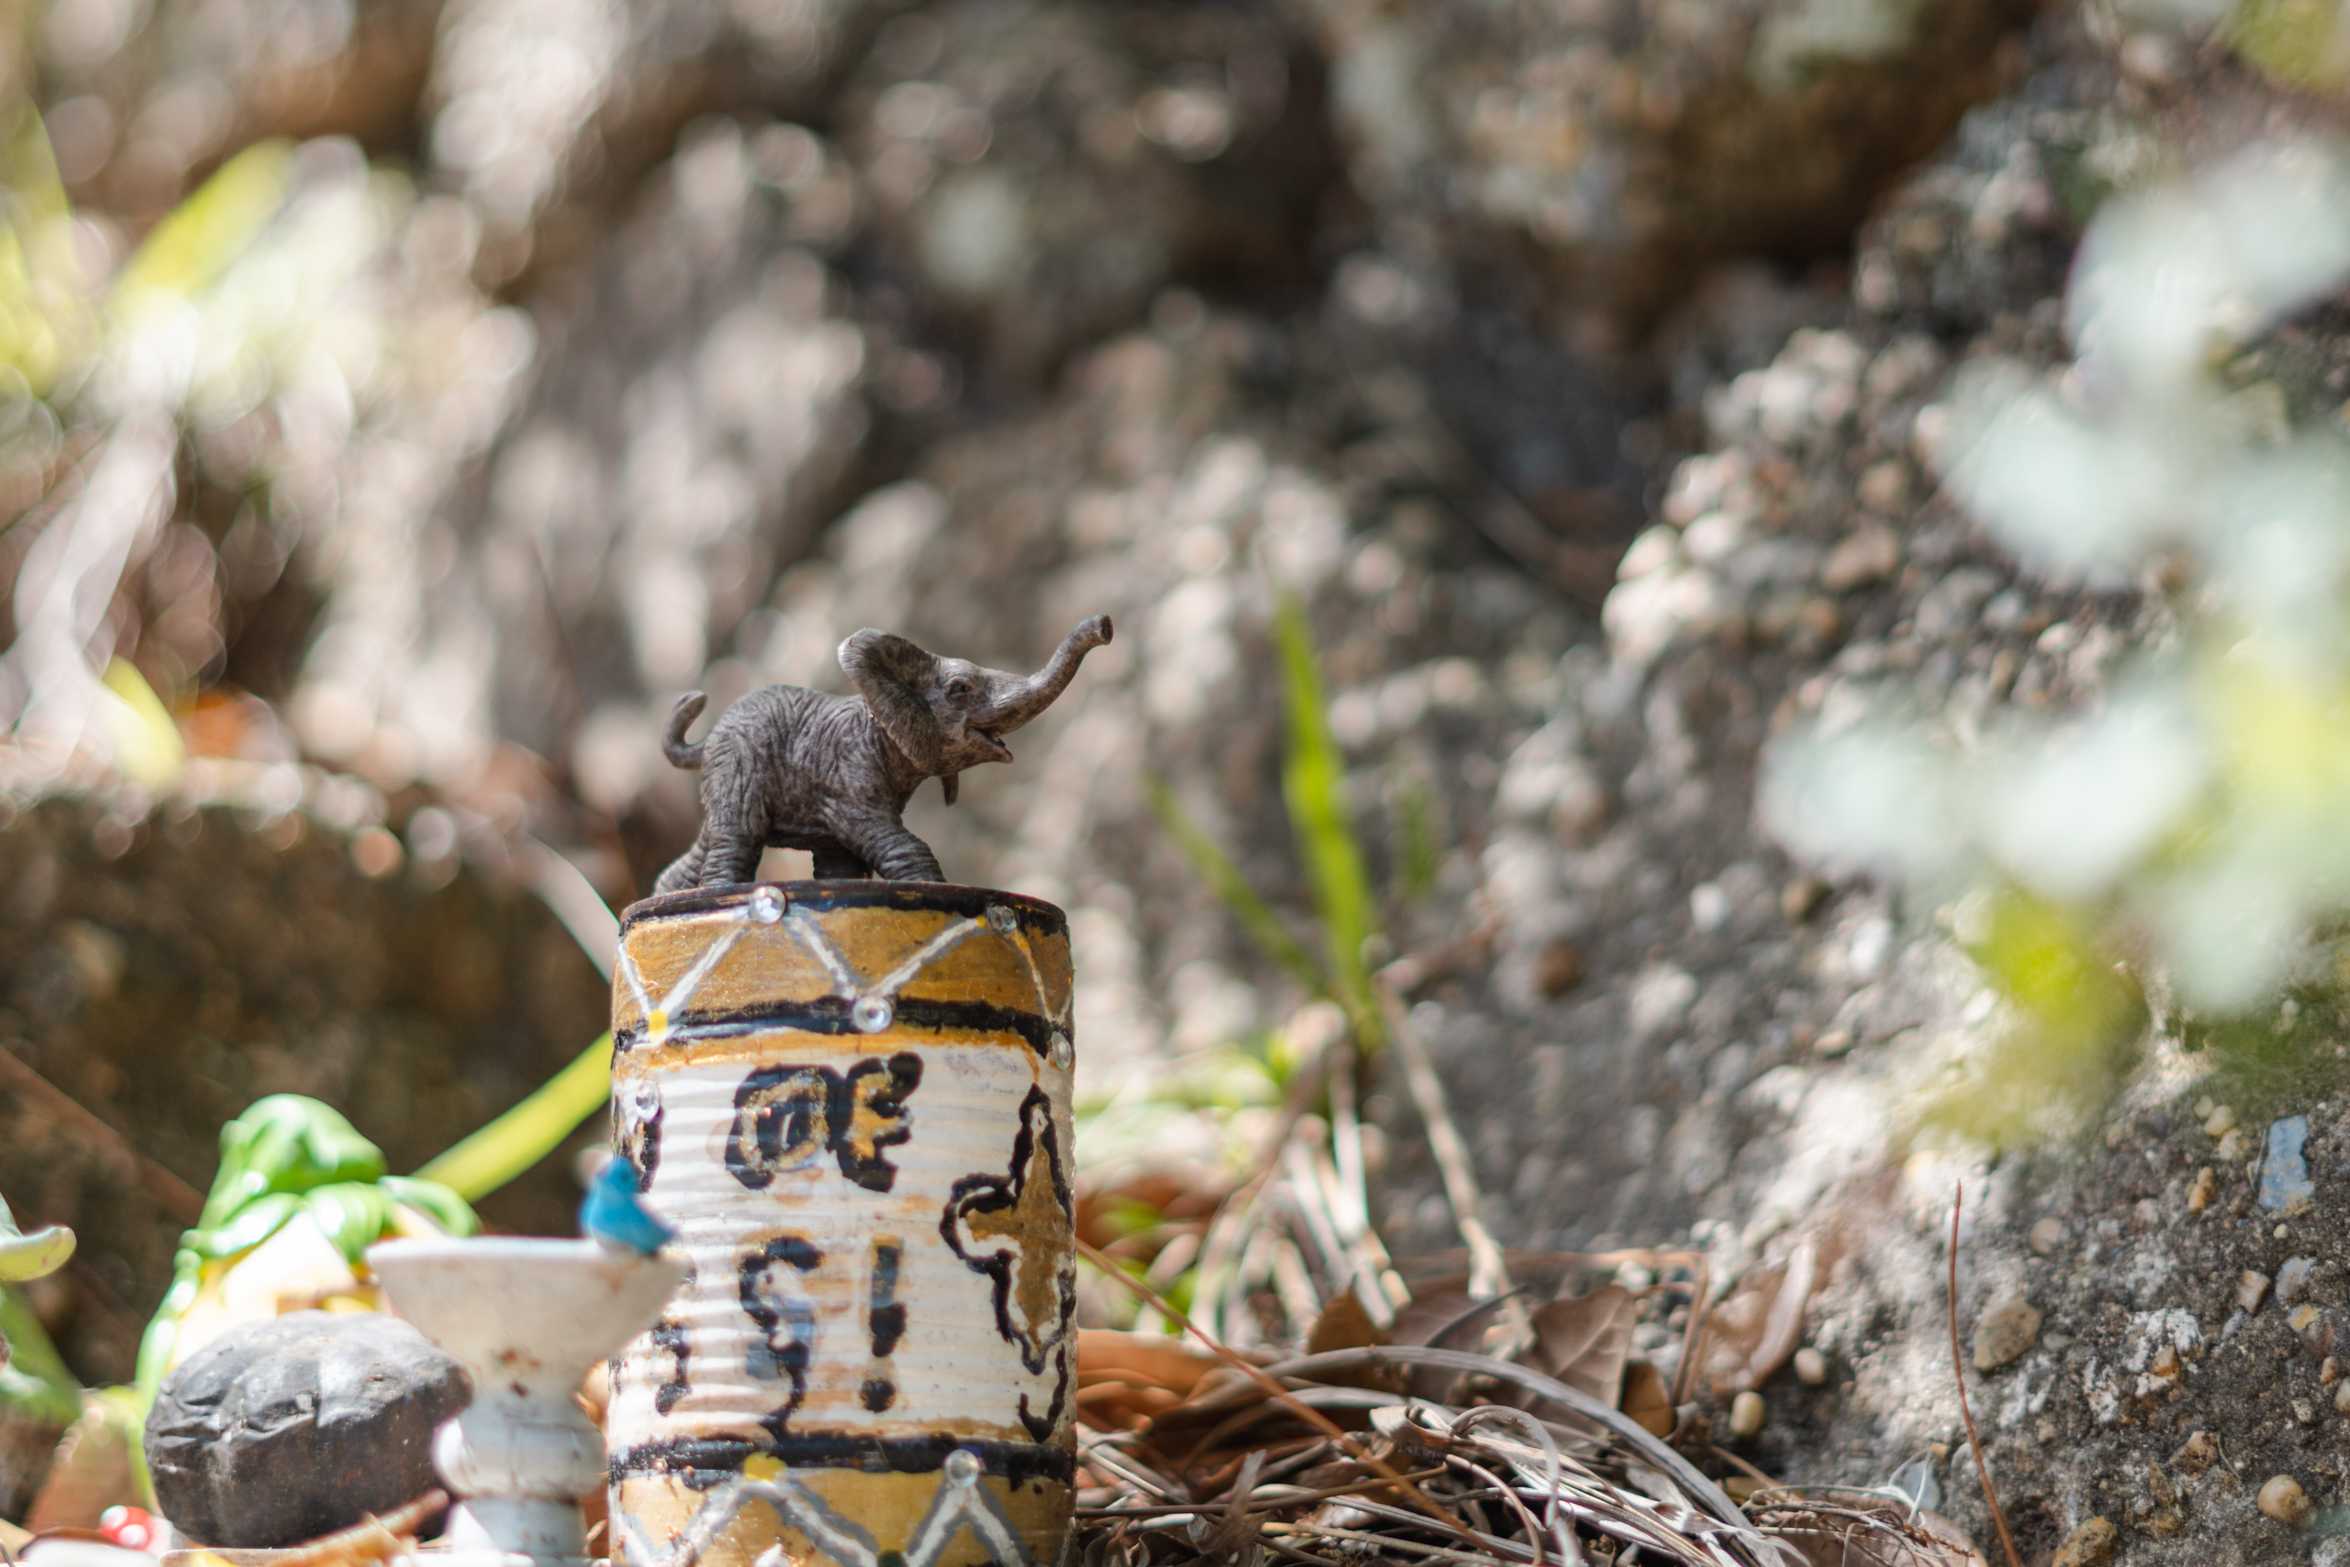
x=401 y=402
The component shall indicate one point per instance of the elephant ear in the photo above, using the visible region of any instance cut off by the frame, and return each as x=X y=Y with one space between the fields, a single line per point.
x=891 y=674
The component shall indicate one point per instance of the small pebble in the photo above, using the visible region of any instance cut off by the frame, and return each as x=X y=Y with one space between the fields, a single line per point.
x=2046 y=1236
x=2166 y=1361
x=2195 y=1454
x=1885 y=486
x=1832 y=1043
x=2294 y=1279
x=2221 y=1121
x=1747 y=1413
x=1870 y=553
x=1558 y=968
x=2251 y=1290
x=2283 y=1499
x=2205 y=1188
x=2309 y=1322
x=1801 y=898
x=2232 y=1146
x=2285 y=1186
x=2008 y=1326
x=2204 y=1105
x=2087 y=1545
x=2342 y=1398
x=1811 y=1367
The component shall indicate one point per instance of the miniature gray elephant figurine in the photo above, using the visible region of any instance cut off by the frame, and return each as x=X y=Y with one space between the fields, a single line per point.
x=791 y=768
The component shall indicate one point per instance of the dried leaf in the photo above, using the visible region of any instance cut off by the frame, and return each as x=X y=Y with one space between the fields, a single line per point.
x=1142 y=1359
x=1128 y=1381
x=1343 y=1324
x=1585 y=1342
x=1648 y=1398
x=1758 y=1328
x=1441 y=1314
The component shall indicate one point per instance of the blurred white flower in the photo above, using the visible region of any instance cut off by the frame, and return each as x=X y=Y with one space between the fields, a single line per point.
x=2063 y=494
x=2277 y=544
x=2069 y=812
x=2166 y=275
x=2147 y=289
x=1874 y=798
x=2203 y=802
x=2230 y=931
x=2282 y=212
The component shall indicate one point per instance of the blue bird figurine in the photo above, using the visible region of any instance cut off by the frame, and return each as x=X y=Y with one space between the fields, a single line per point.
x=615 y=1218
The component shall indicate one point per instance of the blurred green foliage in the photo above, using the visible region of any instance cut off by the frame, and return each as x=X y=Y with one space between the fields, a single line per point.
x=531 y=1130
x=41 y=322
x=192 y=247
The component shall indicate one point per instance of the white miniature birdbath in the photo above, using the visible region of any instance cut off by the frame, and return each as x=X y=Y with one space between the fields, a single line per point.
x=526 y=1318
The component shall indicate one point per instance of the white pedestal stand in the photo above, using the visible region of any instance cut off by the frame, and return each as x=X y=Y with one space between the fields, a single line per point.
x=526 y=1318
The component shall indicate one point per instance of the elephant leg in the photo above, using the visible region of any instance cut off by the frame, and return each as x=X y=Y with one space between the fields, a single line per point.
x=735 y=816
x=894 y=853
x=733 y=856
x=684 y=871
x=840 y=865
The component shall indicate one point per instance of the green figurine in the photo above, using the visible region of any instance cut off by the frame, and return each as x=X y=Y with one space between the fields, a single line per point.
x=31 y=1256
x=24 y=1257
x=299 y=1196
x=38 y=1396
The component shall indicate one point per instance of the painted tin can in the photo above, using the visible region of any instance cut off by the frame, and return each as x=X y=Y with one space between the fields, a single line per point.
x=852 y=1098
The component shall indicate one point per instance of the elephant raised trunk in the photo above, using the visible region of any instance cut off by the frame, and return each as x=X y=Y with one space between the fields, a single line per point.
x=1011 y=701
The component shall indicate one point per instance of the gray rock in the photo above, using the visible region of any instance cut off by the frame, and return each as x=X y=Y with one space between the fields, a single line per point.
x=281 y=1431
x=1620 y=144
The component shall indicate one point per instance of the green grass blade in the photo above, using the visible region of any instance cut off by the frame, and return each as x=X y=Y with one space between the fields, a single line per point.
x=196 y=241
x=1313 y=784
x=1215 y=867
x=531 y=1130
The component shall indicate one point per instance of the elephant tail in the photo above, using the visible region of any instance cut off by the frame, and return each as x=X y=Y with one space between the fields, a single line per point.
x=681 y=718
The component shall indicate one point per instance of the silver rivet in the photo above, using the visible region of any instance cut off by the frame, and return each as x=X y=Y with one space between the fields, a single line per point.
x=766 y=905
x=1001 y=919
x=1057 y=1049
x=962 y=1467
x=873 y=1013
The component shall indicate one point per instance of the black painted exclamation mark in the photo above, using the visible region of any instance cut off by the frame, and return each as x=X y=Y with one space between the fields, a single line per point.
x=885 y=1318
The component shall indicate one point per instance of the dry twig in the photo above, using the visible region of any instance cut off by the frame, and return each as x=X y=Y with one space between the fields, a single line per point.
x=372 y=1539
x=1488 y=1273
x=1974 y=1440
